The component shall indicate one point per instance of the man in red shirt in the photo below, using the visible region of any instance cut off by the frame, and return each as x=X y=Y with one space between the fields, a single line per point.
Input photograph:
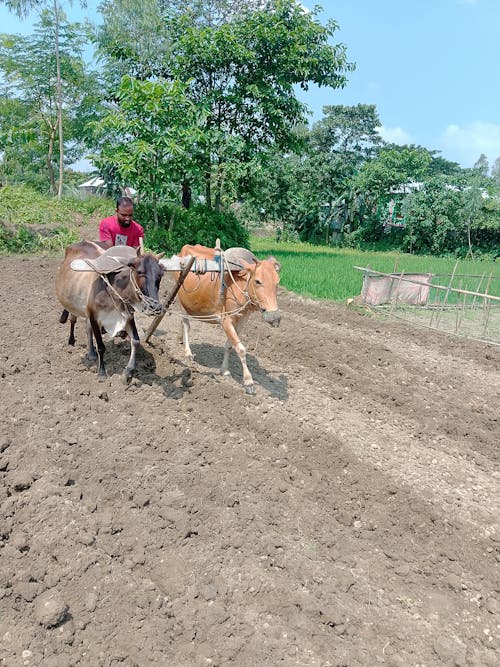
x=120 y=229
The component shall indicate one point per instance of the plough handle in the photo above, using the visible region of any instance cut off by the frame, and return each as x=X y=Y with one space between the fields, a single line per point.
x=171 y=296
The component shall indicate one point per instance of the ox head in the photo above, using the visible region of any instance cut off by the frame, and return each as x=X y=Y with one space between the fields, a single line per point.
x=148 y=274
x=263 y=279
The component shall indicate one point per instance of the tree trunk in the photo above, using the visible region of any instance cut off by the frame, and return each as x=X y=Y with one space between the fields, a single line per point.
x=218 y=189
x=208 y=187
x=469 y=241
x=59 y=100
x=186 y=193
x=50 y=166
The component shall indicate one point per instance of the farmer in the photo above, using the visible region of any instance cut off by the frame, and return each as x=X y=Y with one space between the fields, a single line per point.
x=121 y=229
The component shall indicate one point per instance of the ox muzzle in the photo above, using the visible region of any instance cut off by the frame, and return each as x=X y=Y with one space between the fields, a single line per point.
x=149 y=306
x=272 y=317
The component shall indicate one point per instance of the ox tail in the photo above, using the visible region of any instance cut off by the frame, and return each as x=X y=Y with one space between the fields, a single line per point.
x=64 y=316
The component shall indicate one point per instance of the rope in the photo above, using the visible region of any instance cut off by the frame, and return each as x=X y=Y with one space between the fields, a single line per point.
x=219 y=317
x=125 y=302
x=149 y=305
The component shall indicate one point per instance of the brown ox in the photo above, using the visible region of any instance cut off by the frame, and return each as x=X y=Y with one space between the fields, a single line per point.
x=253 y=288
x=107 y=292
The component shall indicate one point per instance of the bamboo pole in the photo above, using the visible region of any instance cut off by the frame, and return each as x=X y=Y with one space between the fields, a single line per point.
x=447 y=294
x=487 y=305
x=393 y=300
x=478 y=288
x=170 y=298
x=460 y=311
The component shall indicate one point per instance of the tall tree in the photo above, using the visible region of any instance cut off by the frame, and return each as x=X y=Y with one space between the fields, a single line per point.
x=148 y=137
x=340 y=143
x=38 y=80
x=481 y=166
x=241 y=71
x=495 y=171
x=22 y=8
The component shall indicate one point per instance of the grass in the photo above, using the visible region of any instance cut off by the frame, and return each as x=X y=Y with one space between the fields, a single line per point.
x=327 y=273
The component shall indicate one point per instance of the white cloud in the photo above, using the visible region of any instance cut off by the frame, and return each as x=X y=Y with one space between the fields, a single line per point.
x=395 y=135
x=465 y=143
x=305 y=9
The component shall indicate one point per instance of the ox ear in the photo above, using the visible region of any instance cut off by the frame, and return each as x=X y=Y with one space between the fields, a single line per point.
x=275 y=263
x=247 y=267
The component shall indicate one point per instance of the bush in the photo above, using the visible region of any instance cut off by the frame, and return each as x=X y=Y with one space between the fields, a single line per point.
x=23 y=240
x=32 y=222
x=178 y=227
x=21 y=205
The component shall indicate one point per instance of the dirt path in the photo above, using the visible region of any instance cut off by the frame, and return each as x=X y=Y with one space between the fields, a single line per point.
x=346 y=515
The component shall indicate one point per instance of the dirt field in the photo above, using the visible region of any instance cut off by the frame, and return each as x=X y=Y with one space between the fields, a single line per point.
x=345 y=515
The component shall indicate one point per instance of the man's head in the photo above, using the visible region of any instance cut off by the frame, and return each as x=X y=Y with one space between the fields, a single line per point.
x=124 y=211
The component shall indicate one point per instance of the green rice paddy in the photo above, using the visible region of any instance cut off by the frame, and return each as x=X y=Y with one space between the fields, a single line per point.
x=328 y=273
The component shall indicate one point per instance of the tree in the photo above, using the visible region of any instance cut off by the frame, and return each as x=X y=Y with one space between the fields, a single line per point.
x=433 y=219
x=30 y=70
x=495 y=171
x=149 y=137
x=241 y=73
x=481 y=165
x=339 y=144
x=22 y=8
x=211 y=13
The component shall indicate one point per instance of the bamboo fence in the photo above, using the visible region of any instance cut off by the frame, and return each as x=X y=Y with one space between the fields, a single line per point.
x=466 y=305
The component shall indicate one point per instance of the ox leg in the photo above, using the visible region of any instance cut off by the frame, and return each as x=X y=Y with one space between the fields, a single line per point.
x=131 y=329
x=234 y=341
x=185 y=339
x=72 y=322
x=225 y=362
x=96 y=330
x=91 y=351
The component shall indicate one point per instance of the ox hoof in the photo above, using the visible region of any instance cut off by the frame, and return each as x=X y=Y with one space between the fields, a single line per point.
x=250 y=390
x=127 y=376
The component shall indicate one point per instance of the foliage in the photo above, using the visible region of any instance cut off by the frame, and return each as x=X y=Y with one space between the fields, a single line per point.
x=443 y=218
x=54 y=18
x=24 y=240
x=21 y=205
x=177 y=227
x=148 y=139
x=392 y=167
x=29 y=126
x=240 y=73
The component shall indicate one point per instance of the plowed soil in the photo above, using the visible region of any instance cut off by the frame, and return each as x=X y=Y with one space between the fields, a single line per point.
x=345 y=515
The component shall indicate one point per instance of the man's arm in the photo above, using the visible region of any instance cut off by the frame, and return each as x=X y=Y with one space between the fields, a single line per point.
x=105 y=235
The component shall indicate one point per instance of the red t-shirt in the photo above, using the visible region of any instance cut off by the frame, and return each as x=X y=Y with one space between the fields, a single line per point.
x=111 y=230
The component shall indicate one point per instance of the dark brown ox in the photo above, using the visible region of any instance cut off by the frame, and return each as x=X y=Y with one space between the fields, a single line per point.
x=253 y=288
x=107 y=296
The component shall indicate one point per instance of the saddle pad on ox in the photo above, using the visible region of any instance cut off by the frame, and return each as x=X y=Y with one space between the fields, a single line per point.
x=233 y=257
x=113 y=259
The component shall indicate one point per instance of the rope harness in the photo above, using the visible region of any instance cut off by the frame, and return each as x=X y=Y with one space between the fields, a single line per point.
x=148 y=305
x=232 y=286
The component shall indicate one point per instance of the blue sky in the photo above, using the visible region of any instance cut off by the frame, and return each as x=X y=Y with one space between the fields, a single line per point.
x=431 y=67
